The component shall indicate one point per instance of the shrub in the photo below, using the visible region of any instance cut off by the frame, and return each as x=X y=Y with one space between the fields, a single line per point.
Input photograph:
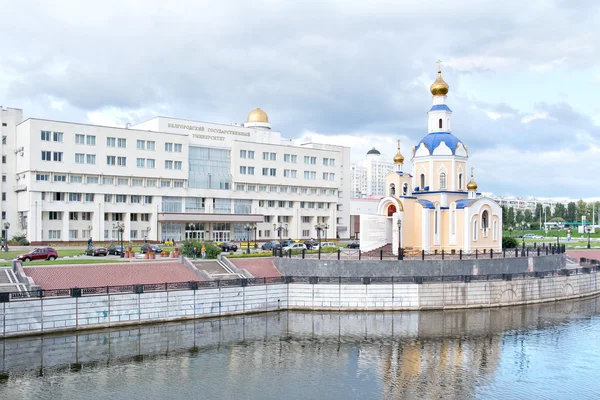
x=251 y=255
x=19 y=240
x=187 y=249
x=509 y=242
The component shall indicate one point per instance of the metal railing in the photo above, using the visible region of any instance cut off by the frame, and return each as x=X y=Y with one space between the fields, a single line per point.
x=243 y=282
x=357 y=254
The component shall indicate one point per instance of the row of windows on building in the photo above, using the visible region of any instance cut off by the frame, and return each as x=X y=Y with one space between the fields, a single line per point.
x=290 y=158
x=89 y=197
x=290 y=204
x=86 y=234
x=110 y=180
x=284 y=189
x=442 y=181
x=81 y=158
x=87 y=216
x=287 y=173
x=90 y=140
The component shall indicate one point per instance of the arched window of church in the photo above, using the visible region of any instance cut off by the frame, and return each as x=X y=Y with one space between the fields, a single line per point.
x=495 y=233
x=392 y=189
x=405 y=189
x=443 y=180
x=453 y=219
x=435 y=221
x=440 y=123
x=459 y=181
x=484 y=220
x=422 y=181
x=475 y=230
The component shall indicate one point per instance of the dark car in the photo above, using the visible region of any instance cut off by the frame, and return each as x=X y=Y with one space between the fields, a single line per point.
x=147 y=248
x=96 y=251
x=270 y=245
x=287 y=242
x=116 y=250
x=354 y=245
x=228 y=246
x=42 y=253
x=311 y=243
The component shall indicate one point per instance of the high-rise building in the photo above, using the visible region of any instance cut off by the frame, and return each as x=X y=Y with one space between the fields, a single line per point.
x=168 y=178
x=368 y=177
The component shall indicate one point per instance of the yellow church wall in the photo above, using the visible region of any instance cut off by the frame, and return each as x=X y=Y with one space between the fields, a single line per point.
x=460 y=227
x=411 y=224
x=486 y=242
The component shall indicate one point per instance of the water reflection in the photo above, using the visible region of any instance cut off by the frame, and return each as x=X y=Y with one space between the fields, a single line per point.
x=452 y=354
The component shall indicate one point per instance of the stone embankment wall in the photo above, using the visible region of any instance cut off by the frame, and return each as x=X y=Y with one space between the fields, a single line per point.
x=47 y=315
x=360 y=268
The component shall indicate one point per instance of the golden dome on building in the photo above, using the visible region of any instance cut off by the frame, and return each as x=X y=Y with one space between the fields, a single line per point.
x=258 y=115
x=472 y=185
x=398 y=158
x=439 y=87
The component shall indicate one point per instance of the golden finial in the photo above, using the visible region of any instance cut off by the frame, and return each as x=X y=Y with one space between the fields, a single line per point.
x=472 y=185
x=398 y=158
x=439 y=87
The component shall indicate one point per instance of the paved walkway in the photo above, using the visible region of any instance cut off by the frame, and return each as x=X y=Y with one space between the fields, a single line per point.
x=91 y=275
x=258 y=267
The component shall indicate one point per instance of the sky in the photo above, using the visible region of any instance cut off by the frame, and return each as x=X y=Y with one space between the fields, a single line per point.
x=523 y=76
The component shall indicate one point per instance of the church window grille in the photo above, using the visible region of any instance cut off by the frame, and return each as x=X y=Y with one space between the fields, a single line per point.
x=442 y=181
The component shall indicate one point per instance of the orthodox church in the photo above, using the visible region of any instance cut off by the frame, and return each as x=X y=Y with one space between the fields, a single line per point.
x=434 y=208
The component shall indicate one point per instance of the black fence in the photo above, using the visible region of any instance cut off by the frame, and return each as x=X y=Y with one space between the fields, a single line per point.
x=381 y=254
x=243 y=282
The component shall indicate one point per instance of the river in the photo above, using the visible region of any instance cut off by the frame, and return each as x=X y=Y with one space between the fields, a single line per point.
x=548 y=351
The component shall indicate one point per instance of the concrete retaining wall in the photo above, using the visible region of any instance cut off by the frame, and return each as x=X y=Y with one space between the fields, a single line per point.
x=59 y=314
x=356 y=268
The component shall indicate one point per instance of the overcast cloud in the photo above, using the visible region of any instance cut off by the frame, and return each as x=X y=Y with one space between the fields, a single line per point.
x=523 y=76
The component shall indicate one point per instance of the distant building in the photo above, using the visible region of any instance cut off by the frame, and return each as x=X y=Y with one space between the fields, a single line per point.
x=368 y=177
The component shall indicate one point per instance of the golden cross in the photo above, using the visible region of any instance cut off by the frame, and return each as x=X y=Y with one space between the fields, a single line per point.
x=439 y=62
x=398 y=144
x=472 y=171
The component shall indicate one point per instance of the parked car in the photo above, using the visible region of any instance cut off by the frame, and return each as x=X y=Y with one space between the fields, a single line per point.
x=287 y=242
x=96 y=251
x=354 y=245
x=538 y=237
x=115 y=249
x=295 y=246
x=311 y=244
x=328 y=244
x=147 y=248
x=270 y=245
x=42 y=253
x=229 y=246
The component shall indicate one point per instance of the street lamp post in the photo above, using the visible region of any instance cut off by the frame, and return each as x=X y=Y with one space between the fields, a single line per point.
x=120 y=227
x=523 y=225
x=248 y=229
x=588 y=230
x=255 y=243
x=400 y=255
x=280 y=228
x=6 y=226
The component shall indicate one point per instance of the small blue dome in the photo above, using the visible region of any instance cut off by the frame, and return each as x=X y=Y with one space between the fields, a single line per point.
x=433 y=140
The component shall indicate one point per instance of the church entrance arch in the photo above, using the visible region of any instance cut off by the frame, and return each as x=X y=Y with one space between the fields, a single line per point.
x=391 y=210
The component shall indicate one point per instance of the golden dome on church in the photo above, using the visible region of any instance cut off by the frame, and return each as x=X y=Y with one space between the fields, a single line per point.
x=398 y=158
x=439 y=87
x=258 y=115
x=472 y=185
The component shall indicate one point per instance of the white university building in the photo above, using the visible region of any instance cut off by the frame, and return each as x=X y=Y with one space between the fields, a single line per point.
x=368 y=177
x=168 y=178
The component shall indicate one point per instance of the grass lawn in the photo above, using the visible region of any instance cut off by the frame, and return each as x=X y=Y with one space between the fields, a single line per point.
x=11 y=255
x=65 y=262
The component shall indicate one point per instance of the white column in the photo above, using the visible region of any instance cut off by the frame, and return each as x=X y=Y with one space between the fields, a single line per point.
x=425 y=229
x=64 y=235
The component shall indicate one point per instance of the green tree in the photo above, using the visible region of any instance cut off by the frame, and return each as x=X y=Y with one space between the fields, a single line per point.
x=519 y=217
x=581 y=209
x=571 y=212
x=548 y=212
x=504 y=216
x=528 y=216
x=559 y=210
x=539 y=210
x=510 y=216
